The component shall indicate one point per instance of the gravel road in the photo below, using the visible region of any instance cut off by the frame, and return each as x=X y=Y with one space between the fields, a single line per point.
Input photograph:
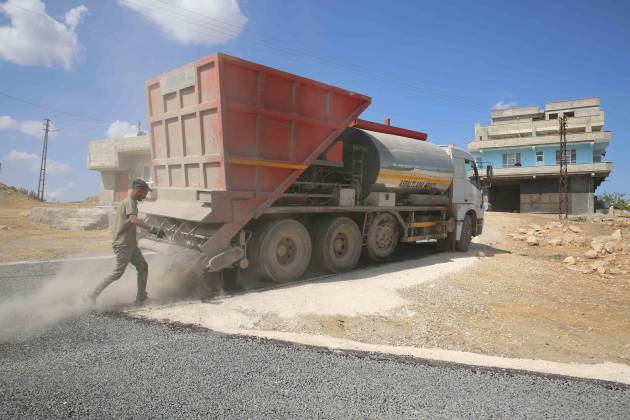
x=104 y=365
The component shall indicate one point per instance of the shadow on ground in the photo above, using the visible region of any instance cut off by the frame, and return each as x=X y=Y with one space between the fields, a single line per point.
x=406 y=257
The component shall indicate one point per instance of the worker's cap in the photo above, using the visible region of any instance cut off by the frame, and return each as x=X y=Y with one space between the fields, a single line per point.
x=139 y=183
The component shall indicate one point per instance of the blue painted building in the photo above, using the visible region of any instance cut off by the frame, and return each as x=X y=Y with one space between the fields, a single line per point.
x=522 y=145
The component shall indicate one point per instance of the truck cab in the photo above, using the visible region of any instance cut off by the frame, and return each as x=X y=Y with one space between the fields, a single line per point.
x=467 y=193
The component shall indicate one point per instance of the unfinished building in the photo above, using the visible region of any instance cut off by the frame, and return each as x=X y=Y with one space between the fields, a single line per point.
x=119 y=161
x=523 y=146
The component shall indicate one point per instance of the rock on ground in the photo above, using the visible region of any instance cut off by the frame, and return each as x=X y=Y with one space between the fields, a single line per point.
x=591 y=254
x=533 y=241
x=570 y=260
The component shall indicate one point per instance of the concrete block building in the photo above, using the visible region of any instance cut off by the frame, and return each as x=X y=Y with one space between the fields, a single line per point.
x=523 y=146
x=120 y=161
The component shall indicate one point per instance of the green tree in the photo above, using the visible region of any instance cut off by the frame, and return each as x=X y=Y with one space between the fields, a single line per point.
x=616 y=199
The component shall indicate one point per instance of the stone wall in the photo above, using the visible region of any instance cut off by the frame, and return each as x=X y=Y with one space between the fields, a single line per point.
x=92 y=218
x=542 y=196
x=581 y=195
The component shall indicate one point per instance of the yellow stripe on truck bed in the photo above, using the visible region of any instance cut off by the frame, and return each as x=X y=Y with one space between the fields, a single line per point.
x=267 y=163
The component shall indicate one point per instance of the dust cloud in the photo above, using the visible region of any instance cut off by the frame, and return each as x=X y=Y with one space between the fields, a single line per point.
x=171 y=278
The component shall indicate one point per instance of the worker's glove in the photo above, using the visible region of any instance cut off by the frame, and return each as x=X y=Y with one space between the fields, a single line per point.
x=157 y=232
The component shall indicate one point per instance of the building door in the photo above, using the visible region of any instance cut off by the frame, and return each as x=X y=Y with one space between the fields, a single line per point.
x=121 y=186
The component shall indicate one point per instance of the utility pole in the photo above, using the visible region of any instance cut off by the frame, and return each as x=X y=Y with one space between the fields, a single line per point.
x=42 y=168
x=564 y=179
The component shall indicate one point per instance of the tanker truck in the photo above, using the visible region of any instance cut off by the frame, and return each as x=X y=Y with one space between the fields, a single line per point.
x=269 y=172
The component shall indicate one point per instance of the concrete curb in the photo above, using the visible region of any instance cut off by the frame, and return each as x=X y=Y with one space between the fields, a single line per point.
x=607 y=371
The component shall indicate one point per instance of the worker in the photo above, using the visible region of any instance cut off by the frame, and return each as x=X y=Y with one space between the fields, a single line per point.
x=125 y=244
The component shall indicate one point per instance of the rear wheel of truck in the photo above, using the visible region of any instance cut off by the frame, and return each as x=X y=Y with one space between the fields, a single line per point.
x=337 y=244
x=464 y=242
x=281 y=250
x=382 y=237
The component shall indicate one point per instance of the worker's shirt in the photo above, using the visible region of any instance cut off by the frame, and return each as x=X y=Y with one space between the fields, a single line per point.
x=124 y=230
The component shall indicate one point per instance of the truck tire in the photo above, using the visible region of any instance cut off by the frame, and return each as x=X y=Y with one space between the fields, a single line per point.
x=382 y=237
x=464 y=241
x=281 y=250
x=337 y=244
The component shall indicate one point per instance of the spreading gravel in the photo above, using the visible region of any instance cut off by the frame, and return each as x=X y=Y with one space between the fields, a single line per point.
x=100 y=365
x=110 y=367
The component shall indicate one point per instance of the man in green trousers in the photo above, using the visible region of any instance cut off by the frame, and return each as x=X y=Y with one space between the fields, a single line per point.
x=125 y=244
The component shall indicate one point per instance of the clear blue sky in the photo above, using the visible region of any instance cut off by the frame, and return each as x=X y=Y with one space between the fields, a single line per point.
x=437 y=67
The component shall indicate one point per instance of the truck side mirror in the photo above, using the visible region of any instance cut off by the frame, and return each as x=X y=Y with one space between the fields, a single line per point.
x=489 y=173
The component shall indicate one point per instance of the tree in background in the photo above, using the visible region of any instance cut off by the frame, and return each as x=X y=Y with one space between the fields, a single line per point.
x=615 y=199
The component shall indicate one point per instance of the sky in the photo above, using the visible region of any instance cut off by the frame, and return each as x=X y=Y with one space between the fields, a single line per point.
x=436 y=67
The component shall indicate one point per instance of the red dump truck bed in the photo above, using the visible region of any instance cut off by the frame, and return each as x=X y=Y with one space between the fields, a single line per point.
x=228 y=137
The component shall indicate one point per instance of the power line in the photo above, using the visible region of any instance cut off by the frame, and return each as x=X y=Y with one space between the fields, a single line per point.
x=42 y=169
x=83 y=29
x=186 y=18
x=563 y=211
x=48 y=108
x=277 y=47
x=357 y=71
x=236 y=30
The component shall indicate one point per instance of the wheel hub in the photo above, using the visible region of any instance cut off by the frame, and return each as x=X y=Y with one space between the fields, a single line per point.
x=384 y=236
x=340 y=245
x=285 y=252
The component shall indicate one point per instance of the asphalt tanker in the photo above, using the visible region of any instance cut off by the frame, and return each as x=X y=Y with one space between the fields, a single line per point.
x=265 y=171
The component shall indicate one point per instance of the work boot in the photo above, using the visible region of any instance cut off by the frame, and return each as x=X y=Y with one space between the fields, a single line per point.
x=141 y=301
x=88 y=299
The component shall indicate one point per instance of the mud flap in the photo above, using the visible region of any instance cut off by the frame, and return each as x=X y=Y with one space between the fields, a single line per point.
x=225 y=259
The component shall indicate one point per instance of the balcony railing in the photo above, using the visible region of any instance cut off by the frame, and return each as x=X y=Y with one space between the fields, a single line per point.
x=595 y=136
x=572 y=168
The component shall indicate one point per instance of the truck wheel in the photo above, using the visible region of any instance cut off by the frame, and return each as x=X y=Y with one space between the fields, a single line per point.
x=464 y=242
x=337 y=243
x=382 y=238
x=281 y=250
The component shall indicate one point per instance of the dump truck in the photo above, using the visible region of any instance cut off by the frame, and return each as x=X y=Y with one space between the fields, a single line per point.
x=266 y=171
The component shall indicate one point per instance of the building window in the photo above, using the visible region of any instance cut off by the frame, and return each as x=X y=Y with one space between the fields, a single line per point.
x=553 y=116
x=569 y=114
x=146 y=173
x=571 y=156
x=540 y=158
x=597 y=156
x=511 y=160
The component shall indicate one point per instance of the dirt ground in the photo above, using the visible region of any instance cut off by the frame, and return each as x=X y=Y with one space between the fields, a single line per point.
x=21 y=239
x=513 y=295
x=510 y=297
x=518 y=301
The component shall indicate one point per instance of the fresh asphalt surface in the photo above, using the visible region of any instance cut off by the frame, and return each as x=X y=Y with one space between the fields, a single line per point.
x=106 y=365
